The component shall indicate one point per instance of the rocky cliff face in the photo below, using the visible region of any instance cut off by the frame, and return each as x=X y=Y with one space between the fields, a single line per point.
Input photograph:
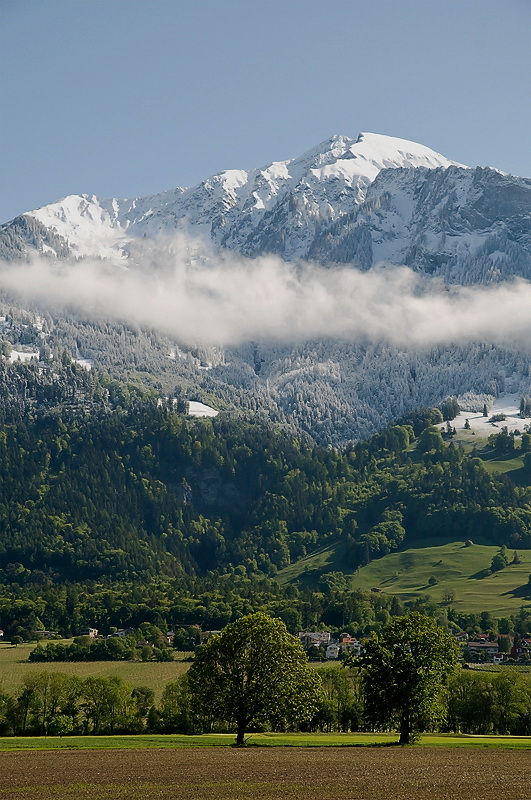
x=466 y=226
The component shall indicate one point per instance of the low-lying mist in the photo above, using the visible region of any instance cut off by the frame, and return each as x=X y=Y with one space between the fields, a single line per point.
x=212 y=298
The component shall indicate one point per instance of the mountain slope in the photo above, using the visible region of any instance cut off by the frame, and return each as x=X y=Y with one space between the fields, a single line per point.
x=275 y=208
x=360 y=202
x=466 y=226
x=94 y=487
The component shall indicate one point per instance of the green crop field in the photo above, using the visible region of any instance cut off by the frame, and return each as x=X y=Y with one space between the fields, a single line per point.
x=177 y=741
x=14 y=667
x=406 y=574
x=488 y=667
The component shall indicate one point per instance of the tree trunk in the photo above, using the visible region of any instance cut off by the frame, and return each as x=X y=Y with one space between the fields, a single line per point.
x=240 y=732
x=405 y=728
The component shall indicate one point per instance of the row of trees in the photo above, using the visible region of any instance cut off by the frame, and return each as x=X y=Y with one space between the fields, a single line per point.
x=53 y=703
x=114 y=649
x=58 y=704
x=255 y=676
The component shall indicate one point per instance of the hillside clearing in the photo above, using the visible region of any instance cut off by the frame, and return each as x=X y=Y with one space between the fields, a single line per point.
x=406 y=574
x=480 y=426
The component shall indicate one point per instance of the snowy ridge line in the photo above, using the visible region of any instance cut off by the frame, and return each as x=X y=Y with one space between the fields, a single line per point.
x=323 y=183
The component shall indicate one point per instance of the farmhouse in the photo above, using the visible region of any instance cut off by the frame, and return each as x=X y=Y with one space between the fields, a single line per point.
x=491 y=648
x=92 y=632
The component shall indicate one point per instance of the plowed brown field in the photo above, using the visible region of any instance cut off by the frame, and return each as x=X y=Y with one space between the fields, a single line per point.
x=267 y=774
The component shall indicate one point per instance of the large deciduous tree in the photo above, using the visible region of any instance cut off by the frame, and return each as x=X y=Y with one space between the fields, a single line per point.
x=403 y=671
x=254 y=671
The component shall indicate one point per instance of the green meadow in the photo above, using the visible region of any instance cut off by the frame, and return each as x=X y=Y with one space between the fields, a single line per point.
x=14 y=666
x=407 y=574
x=152 y=741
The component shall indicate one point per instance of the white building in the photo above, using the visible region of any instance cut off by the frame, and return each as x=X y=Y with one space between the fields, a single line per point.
x=332 y=651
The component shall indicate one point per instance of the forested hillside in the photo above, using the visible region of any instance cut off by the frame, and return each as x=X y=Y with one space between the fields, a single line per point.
x=105 y=483
x=335 y=391
x=104 y=487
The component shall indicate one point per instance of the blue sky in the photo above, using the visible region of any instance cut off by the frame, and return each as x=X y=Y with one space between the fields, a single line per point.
x=129 y=97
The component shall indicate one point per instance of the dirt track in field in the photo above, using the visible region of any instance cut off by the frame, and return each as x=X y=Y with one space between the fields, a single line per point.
x=267 y=774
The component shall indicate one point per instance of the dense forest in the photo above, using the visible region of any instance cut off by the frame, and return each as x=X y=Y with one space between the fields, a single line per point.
x=335 y=391
x=141 y=490
x=107 y=492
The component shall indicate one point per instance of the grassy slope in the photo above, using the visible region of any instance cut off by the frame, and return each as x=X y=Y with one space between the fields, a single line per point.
x=495 y=466
x=14 y=667
x=406 y=574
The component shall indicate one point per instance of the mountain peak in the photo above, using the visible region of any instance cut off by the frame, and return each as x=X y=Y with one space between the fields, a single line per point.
x=234 y=206
x=380 y=149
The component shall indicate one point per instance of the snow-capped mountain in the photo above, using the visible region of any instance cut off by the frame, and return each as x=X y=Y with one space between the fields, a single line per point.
x=361 y=201
x=278 y=208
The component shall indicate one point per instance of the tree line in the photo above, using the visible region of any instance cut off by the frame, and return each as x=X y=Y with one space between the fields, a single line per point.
x=211 y=602
x=255 y=677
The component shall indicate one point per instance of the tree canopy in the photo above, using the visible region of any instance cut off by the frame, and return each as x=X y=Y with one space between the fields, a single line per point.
x=254 y=671
x=403 y=671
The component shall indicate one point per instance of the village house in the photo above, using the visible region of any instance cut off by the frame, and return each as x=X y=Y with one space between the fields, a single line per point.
x=314 y=638
x=349 y=644
x=333 y=650
x=490 y=648
x=521 y=649
x=92 y=632
x=121 y=633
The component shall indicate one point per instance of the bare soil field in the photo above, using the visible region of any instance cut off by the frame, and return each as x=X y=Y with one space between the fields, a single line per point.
x=381 y=773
